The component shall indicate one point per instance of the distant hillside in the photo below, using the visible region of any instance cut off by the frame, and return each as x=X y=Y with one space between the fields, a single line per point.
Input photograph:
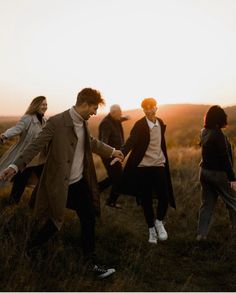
x=184 y=122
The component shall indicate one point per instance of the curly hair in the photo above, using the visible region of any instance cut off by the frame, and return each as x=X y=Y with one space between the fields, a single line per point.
x=89 y=96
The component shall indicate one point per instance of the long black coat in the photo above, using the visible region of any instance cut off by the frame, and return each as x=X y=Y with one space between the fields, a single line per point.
x=137 y=143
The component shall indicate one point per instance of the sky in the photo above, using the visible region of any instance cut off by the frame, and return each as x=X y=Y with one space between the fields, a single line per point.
x=177 y=51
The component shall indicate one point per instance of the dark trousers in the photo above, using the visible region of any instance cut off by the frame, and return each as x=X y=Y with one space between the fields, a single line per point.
x=79 y=199
x=115 y=174
x=153 y=180
x=20 y=181
x=215 y=184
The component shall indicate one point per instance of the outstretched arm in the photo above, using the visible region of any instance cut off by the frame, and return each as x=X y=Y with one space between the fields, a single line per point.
x=20 y=126
x=31 y=151
x=102 y=149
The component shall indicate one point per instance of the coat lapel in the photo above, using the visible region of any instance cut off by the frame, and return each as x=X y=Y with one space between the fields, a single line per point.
x=69 y=123
x=163 y=126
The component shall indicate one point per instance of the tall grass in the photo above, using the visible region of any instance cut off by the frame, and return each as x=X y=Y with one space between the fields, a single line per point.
x=179 y=264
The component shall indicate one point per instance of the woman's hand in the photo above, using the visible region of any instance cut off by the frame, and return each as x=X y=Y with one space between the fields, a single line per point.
x=118 y=157
x=2 y=138
x=7 y=174
x=233 y=185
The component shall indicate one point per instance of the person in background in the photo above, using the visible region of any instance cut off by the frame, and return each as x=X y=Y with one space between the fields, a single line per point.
x=27 y=128
x=111 y=132
x=147 y=169
x=217 y=176
x=69 y=178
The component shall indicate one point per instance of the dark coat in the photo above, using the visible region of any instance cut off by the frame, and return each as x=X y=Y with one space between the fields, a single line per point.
x=111 y=132
x=137 y=143
x=216 y=152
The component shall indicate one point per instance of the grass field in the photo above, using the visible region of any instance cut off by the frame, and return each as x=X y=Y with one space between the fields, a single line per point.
x=178 y=264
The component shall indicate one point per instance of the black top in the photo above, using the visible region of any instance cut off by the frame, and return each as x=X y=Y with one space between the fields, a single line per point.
x=216 y=152
x=40 y=117
x=111 y=132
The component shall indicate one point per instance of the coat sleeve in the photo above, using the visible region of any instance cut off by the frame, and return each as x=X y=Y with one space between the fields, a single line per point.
x=131 y=141
x=21 y=125
x=36 y=145
x=100 y=148
x=124 y=118
x=225 y=156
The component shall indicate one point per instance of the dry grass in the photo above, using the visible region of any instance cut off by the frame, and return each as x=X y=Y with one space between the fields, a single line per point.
x=179 y=264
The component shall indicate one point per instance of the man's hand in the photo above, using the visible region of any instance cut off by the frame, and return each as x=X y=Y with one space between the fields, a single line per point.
x=118 y=154
x=118 y=157
x=115 y=160
x=2 y=138
x=233 y=185
x=7 y=174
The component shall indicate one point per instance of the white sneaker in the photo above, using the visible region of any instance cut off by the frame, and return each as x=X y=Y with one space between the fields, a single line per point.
x=152 y=235
x=102 y=273
x=161 y=231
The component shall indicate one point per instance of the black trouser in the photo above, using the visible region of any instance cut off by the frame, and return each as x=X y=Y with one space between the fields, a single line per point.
x=115 y=174
x=20 y=181
x=79 y=199
x=215 y=184
x=149 y=180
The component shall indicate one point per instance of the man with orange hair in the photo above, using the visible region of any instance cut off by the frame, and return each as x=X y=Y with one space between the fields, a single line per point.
x=147 y=169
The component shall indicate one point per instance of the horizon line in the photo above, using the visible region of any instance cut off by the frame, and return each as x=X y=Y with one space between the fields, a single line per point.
x=133 y=109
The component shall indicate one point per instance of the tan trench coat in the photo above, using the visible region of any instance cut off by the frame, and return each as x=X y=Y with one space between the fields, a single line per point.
x=61 y=138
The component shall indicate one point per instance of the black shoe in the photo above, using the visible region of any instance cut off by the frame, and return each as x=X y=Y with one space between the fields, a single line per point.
x=102 y=273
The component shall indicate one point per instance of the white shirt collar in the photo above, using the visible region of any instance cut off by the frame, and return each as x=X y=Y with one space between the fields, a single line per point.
x=76 y=117
x=151 y=124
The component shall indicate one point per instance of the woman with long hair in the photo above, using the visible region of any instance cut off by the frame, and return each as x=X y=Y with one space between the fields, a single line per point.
x=27 y=128
x=216 y=174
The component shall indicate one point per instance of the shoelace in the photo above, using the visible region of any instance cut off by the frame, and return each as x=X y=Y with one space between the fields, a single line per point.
x=99 y=269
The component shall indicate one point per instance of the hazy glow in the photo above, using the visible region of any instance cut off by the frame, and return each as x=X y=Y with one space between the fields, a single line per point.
x=175 y=50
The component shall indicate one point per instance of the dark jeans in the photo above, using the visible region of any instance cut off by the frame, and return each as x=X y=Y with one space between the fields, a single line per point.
x=115 y=174
x=79 y=199
x=215 y=184
x=152 y=180
x=20 y=181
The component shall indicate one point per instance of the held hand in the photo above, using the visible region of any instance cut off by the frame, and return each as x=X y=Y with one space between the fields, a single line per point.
x=7 y=174
x=118 y=157
x=115 y=160
x=118 y=154
x=233 y=185
x=2 y=138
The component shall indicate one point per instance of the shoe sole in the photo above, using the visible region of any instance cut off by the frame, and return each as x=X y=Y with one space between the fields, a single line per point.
x=108 y=273
x=163 y=239
x=152 y=242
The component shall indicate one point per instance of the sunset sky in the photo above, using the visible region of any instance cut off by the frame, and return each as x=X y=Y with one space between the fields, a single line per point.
x=178 y=51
